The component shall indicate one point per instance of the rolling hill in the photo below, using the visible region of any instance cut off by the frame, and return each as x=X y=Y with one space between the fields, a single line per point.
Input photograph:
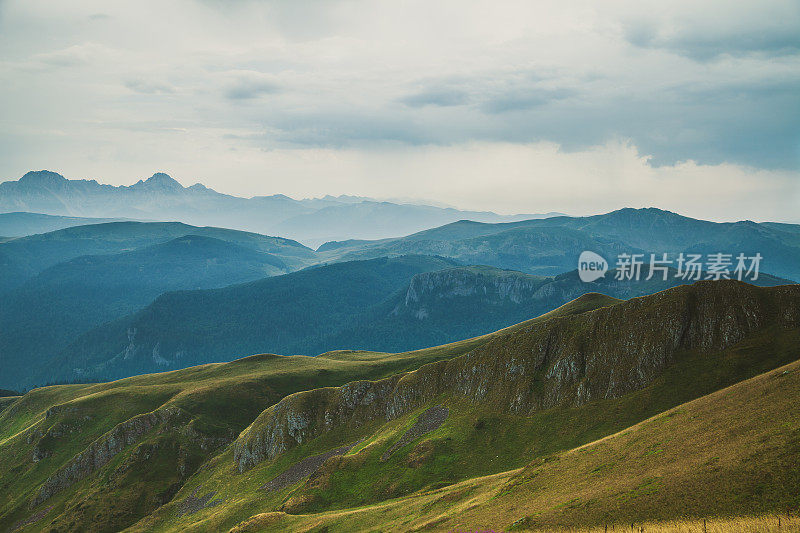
x=429 y=439
x=552 y=245
x=41 y=318
x=42 y=432
x=691 y=468
x=22 y=259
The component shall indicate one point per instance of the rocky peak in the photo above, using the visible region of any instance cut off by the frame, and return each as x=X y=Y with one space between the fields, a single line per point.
x=159 y=182
x=43 y=178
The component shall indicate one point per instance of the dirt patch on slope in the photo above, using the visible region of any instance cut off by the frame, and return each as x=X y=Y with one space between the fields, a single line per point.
x=194 y=503
x=427 y=422
x=304 y=468
x=31 y=519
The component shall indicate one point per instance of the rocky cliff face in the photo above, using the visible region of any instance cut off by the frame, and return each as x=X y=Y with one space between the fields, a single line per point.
x=489 y=283
x=562 y=362
x=101 y=451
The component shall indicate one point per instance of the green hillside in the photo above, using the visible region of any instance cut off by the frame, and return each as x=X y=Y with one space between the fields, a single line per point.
x=539 y=390
x=210 y=447
x=375 y=305
x=57 y=287
x=42 y=432
x=460 y=302
x=710 y=463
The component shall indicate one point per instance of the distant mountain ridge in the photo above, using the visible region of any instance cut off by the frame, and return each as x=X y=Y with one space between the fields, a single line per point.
x=163 y=198
x=23 y=258
x=57 y=285
x=33 y=268
x=552 y=245
x=385 y=305
x=22 y=224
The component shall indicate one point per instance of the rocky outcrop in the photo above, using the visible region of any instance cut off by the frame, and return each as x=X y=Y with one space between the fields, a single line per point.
x=102 y=450
x=565 y=361
x=470 y=281
x=432 y=294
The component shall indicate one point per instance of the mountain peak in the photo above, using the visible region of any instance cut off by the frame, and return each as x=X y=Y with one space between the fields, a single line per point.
x=43 y=177
x=160 y=181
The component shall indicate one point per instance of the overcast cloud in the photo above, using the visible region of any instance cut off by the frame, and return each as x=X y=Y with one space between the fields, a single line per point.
x=510 y=106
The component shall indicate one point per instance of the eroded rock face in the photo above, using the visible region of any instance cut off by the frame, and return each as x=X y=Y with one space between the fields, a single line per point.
x=565 y=361
x=101 y=451
x=430 y=293
x=450 y=283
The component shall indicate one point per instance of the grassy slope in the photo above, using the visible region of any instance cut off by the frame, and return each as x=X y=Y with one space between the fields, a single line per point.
x=5 y=401
x=219 y=399
x=733 y=452
x=587 y=302
x=474 y=441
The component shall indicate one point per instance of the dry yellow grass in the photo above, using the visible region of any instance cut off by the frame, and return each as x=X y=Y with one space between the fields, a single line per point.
x=741 y=524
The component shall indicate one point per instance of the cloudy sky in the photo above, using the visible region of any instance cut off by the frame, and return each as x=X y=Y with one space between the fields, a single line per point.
x=528 y=106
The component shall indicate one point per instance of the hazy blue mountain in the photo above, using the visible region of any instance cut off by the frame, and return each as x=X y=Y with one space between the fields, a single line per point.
x=286 y=314
x=462 y=302
x=312 y=221
x=552 y=245
x=160 y=197
x=382 y=304
x=21 y=224
x=375 y=219
x=23 y=258
x=52 y=272
x=65 y=300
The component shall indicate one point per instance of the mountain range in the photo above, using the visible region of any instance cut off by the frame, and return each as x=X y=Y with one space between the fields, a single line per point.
x=381 y=305
x=433 y=401
x=162 y=198
x=82 y=296
x=676 y=405
x=553 y=245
